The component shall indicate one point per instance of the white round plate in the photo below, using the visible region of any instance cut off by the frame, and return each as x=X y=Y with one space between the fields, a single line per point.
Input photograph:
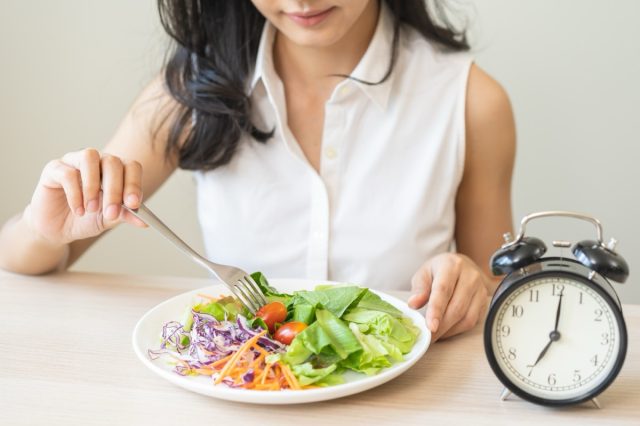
x=146 y=335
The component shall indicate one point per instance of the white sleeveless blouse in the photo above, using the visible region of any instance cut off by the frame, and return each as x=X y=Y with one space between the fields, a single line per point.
x=383 y=201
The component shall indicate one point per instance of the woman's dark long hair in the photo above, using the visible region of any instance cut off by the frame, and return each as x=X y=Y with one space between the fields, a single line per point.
x=215 y=48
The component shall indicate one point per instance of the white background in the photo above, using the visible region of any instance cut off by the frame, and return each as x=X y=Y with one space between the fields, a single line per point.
x=71 y=68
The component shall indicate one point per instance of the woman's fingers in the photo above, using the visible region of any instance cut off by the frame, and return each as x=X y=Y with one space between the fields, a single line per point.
x=89 y=184
x=112 y=186
x=474 y=314
x=90 y=174
x=421 y=287
x=132 y=184
x=60 y=175
x=120 y=182
x=132 y=192
x=460 y=302
x=456 y=292
x=445 y=279
x=87 y=162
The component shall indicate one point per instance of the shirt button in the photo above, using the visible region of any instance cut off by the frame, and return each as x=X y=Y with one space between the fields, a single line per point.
x=344 y=91
x=330 y=152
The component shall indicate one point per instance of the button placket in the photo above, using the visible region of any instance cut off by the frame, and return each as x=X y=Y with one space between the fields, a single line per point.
x=323 y=191
x=332 y=136
x=317 y=252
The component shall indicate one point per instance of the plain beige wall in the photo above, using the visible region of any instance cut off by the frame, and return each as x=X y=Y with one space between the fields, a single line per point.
x=70 y=69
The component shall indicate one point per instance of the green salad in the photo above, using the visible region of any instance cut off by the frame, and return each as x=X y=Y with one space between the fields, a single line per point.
x=349 y=327
x=297 y=341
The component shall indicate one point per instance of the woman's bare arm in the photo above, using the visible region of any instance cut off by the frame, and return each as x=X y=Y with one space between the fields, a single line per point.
x=483 y=204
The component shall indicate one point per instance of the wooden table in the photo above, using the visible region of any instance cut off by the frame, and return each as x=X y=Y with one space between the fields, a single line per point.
x=66 y=358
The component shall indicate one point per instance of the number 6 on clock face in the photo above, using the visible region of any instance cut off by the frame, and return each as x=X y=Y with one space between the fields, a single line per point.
x=555 y=338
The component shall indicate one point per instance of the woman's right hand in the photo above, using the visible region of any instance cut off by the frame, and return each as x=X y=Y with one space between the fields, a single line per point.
x=81 y=194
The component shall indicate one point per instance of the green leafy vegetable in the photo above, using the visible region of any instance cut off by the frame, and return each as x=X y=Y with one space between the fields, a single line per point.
x=271 y=293
x=399 y=332
x=327 y=336
x=303 y=312
x=334 y=299
x=224 y=308
x=350 y=327
x=307 y=375
x=373 y=302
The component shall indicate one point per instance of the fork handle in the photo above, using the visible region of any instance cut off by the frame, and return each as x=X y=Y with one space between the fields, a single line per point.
x=147 y=216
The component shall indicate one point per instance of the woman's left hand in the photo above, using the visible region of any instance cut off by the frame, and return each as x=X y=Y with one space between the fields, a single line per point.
x=455 y=290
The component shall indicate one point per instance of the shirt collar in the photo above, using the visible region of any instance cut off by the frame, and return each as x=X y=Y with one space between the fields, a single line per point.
x=264 y=59
x=375 y=62
x=372 y=66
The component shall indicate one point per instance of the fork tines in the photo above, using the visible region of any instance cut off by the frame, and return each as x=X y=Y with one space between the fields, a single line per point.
x=248 y=293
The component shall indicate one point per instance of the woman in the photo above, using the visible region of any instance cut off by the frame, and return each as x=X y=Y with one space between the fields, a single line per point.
x=352 y=140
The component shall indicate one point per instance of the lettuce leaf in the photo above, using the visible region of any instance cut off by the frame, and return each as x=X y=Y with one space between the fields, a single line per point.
x=373 y=356
x=399 y=332
x=373 y=302
x=336 y=299
x=226 y=308
x=270 y=293
x=326 y=337
x=303 y=312
x=307 y=375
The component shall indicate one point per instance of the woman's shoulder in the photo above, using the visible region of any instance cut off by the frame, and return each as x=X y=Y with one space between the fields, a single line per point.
x=489 y=125
x=487 y=102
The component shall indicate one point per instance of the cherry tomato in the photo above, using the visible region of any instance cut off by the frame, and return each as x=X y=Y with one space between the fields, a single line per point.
x=287 y=332
x=271 y=313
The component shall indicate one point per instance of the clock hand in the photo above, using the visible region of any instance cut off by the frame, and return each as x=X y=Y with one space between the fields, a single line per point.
x=544 y=351
x=558 y=313
x=553 y=336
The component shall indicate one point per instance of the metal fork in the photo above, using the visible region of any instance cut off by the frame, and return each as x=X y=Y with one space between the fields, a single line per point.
x=243 y=287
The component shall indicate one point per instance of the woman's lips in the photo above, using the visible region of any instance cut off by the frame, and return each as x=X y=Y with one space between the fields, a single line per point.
x=309 y=19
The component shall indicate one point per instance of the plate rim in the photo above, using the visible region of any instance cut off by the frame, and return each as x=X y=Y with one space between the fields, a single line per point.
x=285 y=397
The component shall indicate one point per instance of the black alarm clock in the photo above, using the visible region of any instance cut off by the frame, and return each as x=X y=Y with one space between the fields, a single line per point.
x=554 y=333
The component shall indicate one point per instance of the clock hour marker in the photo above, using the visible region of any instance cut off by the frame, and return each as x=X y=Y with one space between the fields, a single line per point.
x=534 y=295
x=598 y=313
x=506 y=330
x=558 y=289
x=517 y=311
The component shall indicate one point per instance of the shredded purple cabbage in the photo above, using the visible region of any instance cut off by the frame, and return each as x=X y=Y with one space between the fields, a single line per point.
x=208 y=341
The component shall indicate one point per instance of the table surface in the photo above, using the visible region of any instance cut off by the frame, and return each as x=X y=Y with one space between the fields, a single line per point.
x=66 y=358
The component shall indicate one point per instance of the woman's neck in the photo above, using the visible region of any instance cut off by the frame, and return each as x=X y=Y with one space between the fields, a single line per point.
x=318 y=67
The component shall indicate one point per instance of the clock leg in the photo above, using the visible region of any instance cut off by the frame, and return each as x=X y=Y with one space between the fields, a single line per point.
x=506 y=393
x=595 y=402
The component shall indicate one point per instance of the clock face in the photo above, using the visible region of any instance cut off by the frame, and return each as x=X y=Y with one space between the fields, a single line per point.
x=556 y=338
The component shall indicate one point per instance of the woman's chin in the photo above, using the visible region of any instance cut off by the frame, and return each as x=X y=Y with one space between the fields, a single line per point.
x=313 y=38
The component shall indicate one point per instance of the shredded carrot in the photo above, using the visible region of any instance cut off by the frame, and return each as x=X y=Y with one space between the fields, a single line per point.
x=287 y=380
x=291 y=378
x=264 y=374
x=203 y=371
x=245 y=346
x=221 y=361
